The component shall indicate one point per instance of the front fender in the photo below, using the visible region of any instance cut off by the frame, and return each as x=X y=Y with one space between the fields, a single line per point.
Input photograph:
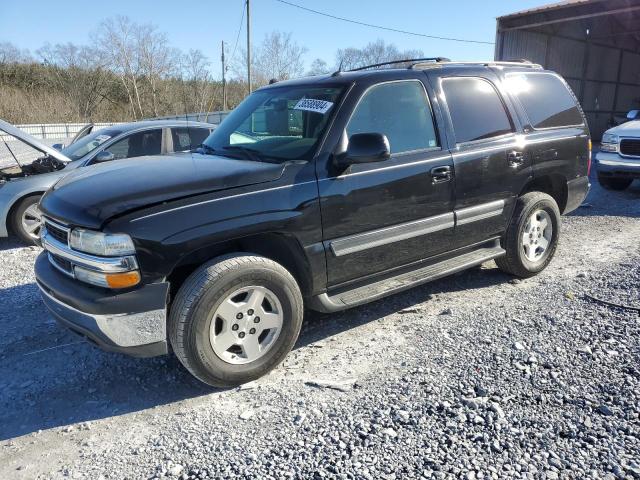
x=15 y=190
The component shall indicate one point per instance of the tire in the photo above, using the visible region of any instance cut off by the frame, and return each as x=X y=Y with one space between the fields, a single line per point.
x=613 y=183
x=207 y=292
x=26 y=210
x=518 y=259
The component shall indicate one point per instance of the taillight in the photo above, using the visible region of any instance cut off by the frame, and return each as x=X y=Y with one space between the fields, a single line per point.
x=589 y=159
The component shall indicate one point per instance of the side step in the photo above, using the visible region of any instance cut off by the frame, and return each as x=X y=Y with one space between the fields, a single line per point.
x=382 y=288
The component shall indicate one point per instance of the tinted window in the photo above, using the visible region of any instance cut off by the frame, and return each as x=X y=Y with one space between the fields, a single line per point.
x=138 y=145
x=399 y=110
x=188 y=138
x=476 y=109
x=545 y=98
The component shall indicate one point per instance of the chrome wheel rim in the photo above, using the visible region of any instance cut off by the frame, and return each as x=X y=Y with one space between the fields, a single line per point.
x=246 y=325
x=537 y=235
x=32 y=221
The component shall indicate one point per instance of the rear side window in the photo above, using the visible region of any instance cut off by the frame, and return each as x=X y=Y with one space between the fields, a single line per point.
x=476 y=109
x=399 y=110
x=545 y=98
x=188 y=138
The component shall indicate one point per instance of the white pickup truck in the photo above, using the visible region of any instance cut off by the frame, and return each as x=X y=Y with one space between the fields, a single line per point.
x=618 y=160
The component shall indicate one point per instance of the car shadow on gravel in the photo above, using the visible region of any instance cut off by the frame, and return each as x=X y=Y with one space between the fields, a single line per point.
x=601 y=202
x=52 y=378
x=10 y=243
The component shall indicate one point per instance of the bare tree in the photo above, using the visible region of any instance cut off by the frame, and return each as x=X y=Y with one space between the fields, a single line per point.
x=277 y=57
x=9 y=53
x=373 y=52
x=79 y=73
x=198 y=87
x=318 y=67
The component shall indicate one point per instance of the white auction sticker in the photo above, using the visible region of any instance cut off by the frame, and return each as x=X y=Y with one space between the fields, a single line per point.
x=312 y=105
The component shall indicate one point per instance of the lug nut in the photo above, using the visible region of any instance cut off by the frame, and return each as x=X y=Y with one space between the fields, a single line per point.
x=249 y=312
x=256 y=320
x=241 y=334
x=234 y=327
x=252 y=331
x=239 y=316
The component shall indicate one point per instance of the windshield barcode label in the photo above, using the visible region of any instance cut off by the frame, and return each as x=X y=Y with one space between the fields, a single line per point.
x=311 y=105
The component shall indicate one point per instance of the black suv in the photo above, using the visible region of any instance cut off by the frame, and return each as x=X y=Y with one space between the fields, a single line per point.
x=324 y=192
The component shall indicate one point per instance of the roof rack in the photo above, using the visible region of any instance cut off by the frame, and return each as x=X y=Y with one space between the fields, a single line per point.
x=499 y=63
x=406 y=60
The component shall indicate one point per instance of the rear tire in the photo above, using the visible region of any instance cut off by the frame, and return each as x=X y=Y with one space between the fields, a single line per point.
x=222 y=332
x=613 y=183
x=532 y=237
x=26 y=221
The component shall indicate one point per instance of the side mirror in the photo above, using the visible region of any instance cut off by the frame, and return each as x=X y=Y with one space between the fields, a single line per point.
x=104 y=156
x=633 y=115
x=58 y=146
x=365 y=148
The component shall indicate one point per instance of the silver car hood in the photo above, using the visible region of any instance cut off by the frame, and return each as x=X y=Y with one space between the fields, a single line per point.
x=32 y=141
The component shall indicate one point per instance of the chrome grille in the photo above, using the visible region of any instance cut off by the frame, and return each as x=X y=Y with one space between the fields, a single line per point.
x=57 y=231
x=630 y=146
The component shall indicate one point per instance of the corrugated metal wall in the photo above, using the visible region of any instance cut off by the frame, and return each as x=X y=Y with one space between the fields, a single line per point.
x=605 y=79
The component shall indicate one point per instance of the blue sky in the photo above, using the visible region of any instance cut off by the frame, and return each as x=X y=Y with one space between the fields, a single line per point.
x=203 y=24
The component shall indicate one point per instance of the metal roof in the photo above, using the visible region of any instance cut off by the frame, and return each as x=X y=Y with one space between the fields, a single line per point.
x=548 y=7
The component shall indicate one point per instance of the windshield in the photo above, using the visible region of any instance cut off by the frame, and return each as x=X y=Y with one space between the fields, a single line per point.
x=275 y=124
x=88 y=144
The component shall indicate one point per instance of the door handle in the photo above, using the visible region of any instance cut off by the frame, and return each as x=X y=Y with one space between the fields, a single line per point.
x=440 y=174
x=515 y=158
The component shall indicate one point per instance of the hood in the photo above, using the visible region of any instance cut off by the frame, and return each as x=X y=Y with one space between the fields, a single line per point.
x=627 y=129
x=89 y=196
x=32 y=141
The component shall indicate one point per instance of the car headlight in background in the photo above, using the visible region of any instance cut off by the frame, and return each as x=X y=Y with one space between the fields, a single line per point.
x=609 y=143
x=99 y=243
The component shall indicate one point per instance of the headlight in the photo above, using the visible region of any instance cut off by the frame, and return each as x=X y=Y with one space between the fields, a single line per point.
x=99 y=243
x=609 y=142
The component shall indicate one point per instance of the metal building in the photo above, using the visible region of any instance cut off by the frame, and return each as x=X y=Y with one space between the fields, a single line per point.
x=593 y=44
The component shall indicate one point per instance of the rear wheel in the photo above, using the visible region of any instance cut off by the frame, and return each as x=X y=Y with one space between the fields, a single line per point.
x=613 y=183
x=26 y=220
x=532 y=236
x=235 y=319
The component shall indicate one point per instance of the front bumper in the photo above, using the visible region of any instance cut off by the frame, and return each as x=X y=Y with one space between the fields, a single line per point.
x=614 y=165
x=132 y=322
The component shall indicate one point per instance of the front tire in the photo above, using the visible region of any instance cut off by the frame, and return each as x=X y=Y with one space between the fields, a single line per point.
x=532 y=237
x=235 y=319
x=26 y=220
x=613 y=183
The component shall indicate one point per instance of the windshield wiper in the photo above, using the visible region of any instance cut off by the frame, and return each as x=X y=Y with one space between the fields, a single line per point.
x=251 y=153
x=207 y=149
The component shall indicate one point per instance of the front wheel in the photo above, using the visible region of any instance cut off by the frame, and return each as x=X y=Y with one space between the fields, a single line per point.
x=235 y=319
x=26 y=220
x=532 y=236
x=613 y=183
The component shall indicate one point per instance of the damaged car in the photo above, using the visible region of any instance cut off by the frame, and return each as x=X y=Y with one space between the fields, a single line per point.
x=22 y=184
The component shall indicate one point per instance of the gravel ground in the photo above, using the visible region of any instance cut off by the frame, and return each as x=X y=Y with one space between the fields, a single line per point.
x=474 y=376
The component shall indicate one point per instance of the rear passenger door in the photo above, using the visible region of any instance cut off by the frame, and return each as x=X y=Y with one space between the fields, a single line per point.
x=185 y=139
x=490 y=162
x=383 y=215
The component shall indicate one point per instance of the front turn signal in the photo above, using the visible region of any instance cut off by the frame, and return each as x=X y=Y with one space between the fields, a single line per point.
x=122 y=280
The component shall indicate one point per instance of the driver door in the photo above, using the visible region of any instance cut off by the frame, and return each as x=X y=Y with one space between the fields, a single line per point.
x=383 y=215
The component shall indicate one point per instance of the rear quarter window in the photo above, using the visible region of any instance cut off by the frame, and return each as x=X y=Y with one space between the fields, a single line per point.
x=546 y=99
x=476 y=109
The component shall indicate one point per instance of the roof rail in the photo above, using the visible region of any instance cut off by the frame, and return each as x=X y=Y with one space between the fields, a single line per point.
x=492 y=63
x=406 y=60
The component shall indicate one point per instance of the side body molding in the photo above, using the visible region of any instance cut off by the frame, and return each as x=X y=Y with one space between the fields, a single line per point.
x=396 y=233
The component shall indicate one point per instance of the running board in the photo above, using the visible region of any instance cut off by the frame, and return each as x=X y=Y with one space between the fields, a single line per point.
x=381 y=288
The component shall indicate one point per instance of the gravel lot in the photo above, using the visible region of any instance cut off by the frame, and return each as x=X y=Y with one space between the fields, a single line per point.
x=474 y=376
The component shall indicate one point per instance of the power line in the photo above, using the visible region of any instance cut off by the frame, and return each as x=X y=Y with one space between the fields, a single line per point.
x=233 y=55
x=335 y=17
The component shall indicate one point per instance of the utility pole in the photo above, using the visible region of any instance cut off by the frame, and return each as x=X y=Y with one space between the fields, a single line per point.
x=249 y=45
x=224 y=82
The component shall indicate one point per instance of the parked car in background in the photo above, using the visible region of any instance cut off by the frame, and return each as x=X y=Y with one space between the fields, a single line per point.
x=326 y=193
x=21 y=186
x=618 y=160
